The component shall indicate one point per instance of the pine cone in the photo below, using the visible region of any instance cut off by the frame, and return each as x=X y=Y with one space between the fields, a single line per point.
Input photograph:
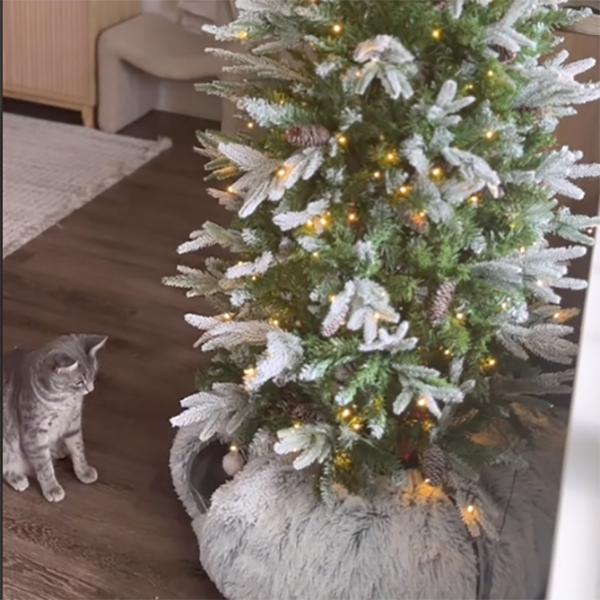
x=504 y=55
x=440 y=305
x=297 y=409
x=433 y=465
x=307 y=136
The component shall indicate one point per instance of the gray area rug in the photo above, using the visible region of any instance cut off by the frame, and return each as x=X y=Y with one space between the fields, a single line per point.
x=51 y=169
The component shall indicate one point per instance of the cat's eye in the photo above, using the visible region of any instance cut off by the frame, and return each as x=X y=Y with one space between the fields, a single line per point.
x=79 y=383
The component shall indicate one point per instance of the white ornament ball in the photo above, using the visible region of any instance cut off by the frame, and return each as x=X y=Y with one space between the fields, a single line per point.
x=232 y=463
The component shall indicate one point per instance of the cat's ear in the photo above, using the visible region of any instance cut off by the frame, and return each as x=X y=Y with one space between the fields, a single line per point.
x=93 y=343
x=63 y=365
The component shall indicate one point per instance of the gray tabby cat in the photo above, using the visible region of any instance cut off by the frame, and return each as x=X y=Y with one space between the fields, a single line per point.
x=42 y=400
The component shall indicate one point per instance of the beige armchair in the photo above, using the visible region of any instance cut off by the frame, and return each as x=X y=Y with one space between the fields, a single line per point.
x=134 y=56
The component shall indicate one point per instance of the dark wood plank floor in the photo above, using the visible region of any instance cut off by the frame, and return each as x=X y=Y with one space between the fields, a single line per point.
x=99 y=270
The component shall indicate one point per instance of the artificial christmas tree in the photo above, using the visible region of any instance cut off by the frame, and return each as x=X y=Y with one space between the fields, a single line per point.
x=389 y=282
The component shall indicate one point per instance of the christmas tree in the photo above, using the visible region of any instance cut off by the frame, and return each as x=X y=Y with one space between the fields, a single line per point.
x=388 y=284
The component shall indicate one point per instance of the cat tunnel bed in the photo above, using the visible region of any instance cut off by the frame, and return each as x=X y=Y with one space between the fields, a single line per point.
x=265 y=534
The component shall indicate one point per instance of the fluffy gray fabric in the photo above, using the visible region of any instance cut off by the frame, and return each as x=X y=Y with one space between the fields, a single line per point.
x=267 y=536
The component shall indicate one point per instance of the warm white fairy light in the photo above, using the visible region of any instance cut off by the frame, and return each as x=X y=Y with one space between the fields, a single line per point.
x=470 y=509
x=227 y=317
x=231 y=190
x=250 y=125
x=460 y=316
x=337 y=28
x=489 y=135
x=377 y=175
x=436 y=34
x=282 y=172
x=404 y=190
x=422 y=402
x=490 y=74
x=242 y=35
x=474 y=200
x=316 y=254
x=234 y=448
x=274 y=322
x=437 y=172
x=342 y=139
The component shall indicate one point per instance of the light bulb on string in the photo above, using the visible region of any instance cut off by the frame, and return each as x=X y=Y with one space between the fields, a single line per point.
x=422 y=402
x=227 y=317
x=231 y=189
x=242 y=35
x=316 y=255
x=273 y=321
x=469 y=87
x=470 y=509
x=460 y=316
x=489 y=135
x=437 y=172
x=297 y=425
x=345 y=413
x=337 y=28
x=392 y=157
x=352 y=216
x=357 y=423
x=404 y=190
x=377 y=175
x=474 y=200
x=342 y=139
x=282 y=172
x=436 y=34
x=491 y=74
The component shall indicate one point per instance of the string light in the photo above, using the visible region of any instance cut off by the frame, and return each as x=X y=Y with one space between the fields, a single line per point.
x=522 y=249
x=436 y=34
x=422 y=402
x=539 y=283
x=342 y=139
x=590 y=230
x=249 y=372
x=460 y=316
x=437 y=172
x=490 y=135
x=337 y=28
x=352 y=217
x=242 y=35
x=556 y=315
x=343 y=460
x=447 y=352
x=231 y=190
x=377 y=175
x=392 y=157
x=227 y=317
x=315 y=254
x=469 y=87
x=345 y=413
x=470 y=509
x=250 y=125
x=404 y=190
x=297 y=424
x=504 y=305
x=490 y=73
x=474 y=200
x=274 y=322
x=490 y=362
x=282 y=172
x=331 y=298
x=357 y=423
x=234 y=448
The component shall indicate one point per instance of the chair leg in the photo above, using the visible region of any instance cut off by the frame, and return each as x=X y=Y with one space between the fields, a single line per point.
x=88 y=115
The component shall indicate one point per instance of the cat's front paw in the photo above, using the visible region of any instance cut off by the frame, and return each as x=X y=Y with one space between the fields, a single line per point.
x=54 y=494
x=87 y=475
x=17 y=482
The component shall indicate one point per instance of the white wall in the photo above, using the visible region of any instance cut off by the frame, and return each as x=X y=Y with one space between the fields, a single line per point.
x=180 y=97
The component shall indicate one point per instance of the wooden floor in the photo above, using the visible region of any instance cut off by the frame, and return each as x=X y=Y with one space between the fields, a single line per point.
x=127 y=536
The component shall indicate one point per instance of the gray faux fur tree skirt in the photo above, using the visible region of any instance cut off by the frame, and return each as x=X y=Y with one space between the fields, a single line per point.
x=266 y=535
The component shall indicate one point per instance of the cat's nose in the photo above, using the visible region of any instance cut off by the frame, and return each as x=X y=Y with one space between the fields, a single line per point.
x=90 y=387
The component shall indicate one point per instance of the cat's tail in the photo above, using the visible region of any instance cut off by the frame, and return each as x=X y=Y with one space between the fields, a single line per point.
x=185 y=448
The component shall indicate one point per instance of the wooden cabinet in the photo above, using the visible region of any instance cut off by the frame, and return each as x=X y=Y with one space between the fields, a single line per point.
x=49 y=49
